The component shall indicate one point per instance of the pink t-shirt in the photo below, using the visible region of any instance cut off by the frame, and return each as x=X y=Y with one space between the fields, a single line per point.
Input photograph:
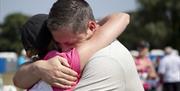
x=73 y=59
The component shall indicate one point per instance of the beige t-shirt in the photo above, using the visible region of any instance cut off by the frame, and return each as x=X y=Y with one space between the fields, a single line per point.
x=110 y=69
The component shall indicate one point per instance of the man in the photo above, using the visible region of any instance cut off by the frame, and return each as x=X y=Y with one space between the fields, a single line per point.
x=169 y=71
x=112 y=68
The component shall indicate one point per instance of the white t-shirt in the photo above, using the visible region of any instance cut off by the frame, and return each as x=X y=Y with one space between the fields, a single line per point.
x=170 y=68
x=110 y=69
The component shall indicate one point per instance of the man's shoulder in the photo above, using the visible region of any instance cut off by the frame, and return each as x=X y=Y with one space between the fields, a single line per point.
x=116 y=51
x=107 y=57
x=115 y=64
x=167 y=58
x=115 y=48
x=115 y=55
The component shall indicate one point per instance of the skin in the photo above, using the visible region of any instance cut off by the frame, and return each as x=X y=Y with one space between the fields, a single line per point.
x=57 y=72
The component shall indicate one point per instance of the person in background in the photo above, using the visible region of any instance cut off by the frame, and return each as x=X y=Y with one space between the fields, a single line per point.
x=169 y=70
x=144 y=65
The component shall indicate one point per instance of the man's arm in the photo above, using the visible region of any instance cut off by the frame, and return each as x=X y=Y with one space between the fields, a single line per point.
x=53 y=72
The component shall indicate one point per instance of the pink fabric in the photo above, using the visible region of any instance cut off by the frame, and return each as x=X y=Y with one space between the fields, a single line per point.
x=73 y=59
x=138 y=62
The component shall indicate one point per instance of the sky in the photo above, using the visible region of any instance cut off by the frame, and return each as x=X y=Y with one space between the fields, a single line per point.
x=100 y=8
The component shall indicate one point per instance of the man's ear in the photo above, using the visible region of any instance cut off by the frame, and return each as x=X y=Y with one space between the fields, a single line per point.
x=91 y=29
x=92 y=26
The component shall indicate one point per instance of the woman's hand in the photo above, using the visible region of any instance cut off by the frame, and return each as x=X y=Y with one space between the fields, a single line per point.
x=56 y=72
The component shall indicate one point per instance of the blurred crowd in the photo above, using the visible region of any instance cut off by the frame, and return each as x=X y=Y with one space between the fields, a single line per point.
x=9 y=63
x=159 y=70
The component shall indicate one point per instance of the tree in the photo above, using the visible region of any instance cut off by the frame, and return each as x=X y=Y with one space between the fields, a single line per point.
x=156 y=21
x=10 y=36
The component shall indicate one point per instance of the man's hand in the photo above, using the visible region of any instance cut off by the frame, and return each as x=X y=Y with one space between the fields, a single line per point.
x=56 y=72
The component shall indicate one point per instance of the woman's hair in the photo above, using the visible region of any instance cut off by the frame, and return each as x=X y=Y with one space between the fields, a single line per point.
x=35 y=35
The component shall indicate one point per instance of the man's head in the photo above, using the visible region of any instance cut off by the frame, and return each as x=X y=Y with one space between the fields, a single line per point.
x=143 y=48
x=35 y=35
x=70 y=21
x=168 y=50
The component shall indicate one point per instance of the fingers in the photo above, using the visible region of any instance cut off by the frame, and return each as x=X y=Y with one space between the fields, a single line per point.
x=66 y=67
x=58 y=85
x=65 y=79
x=68 y=77
x=69 y=71
x=63 y=61
x=59 y=73
x=65 y=82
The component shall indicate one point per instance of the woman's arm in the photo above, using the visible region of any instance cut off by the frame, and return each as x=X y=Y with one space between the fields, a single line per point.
x=152 y=72
x=24 y=77
x=110 y=28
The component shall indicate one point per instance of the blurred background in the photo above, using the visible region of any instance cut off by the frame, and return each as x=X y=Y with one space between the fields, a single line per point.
x=154 y=21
